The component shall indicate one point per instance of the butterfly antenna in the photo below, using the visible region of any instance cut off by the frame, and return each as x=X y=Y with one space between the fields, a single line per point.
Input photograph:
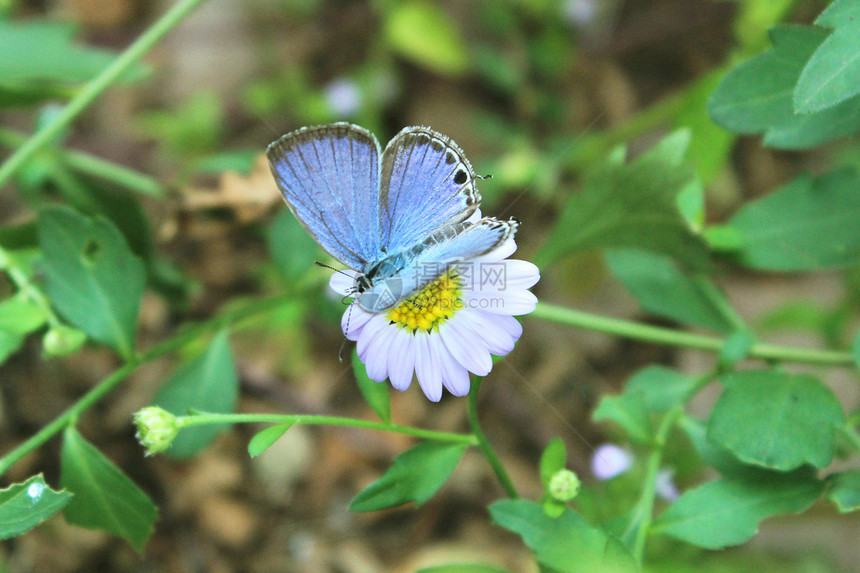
x=345 y=333
x=331 y=268
x=484 y=177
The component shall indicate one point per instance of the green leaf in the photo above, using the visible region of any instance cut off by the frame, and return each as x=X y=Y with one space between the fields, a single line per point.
x=263 y=439
x=776 y=420
x=422 y=32
x=25 y=505
x=416 y=475
x=18 y=238
x=126 y=212
x=663 y=288
x=632 y=205
x=462 y=568
x=736 y=347
x=713 y=454
x=727 y=512
x=809 y=224
x=93 y=279
x=376 y=394
x=757 y=96
x=291 y=247
x=832 y=74
x=19 y=316
x=103 y=497
x=660 y=388
x=844 y=491
x=41 y=61
x=710 y=144
x=208 y=383
x=566 y=544
x=552 y=460
x=628 y=411
x=691 y=204
x=798 y=315
x=722 y=238
x=241 y=161
x=652 y=390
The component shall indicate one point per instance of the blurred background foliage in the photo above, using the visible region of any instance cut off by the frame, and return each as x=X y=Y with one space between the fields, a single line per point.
x=538 y=93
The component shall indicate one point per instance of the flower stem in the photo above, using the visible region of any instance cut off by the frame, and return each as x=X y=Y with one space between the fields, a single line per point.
x=660 y=335
x=203 y=418
x=643 y=512
x=95 y=167
x=94 y=88
x=117 y=376
x=484 y=444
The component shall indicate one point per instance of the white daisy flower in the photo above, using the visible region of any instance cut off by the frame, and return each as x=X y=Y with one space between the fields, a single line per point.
x=448 y=329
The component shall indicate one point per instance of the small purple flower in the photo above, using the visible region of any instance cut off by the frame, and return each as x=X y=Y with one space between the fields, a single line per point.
x=579 y=12
x=665 y=485
x=343 y=97
x=610 y=461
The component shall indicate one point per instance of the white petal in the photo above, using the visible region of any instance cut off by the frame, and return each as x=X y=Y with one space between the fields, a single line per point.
x=353 y=321
x=381 y=351
x=514 y=302
x=521 y=274
x=401 y=359
x=367 y=339
x=427 y=366
x=376 y=364
x=511 y=325
x=455 y=377
x=503 y=251
x=466 y=349
x=343 y=282
x=487 y=327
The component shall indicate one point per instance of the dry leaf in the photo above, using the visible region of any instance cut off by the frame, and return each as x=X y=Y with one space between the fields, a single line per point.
x=249 y=197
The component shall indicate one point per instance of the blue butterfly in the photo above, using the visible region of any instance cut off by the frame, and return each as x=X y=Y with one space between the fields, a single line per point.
x=388 y=214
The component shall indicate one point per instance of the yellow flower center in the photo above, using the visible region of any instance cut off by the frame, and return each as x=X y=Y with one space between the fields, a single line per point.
x=430 y=307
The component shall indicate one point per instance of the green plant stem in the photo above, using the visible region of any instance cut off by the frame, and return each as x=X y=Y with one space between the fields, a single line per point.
x=203 y=418
x=117 y=376
x=96 y=86
x=484 y=444
x=851 y=435
x=643 y=512
x=19 y=277
x=669 y=336
x=95 y=167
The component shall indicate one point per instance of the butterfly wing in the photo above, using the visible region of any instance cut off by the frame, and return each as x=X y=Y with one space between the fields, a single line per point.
x=449 y=245
x=329 y=177
x=426 y=183
x=472 y=241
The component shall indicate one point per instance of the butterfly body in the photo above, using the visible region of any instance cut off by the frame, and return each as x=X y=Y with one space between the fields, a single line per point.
x=389 y=215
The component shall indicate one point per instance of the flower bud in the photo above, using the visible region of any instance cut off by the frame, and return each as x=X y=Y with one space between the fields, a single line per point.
x=62 y=340
x=156 y=429
x=563 y=485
